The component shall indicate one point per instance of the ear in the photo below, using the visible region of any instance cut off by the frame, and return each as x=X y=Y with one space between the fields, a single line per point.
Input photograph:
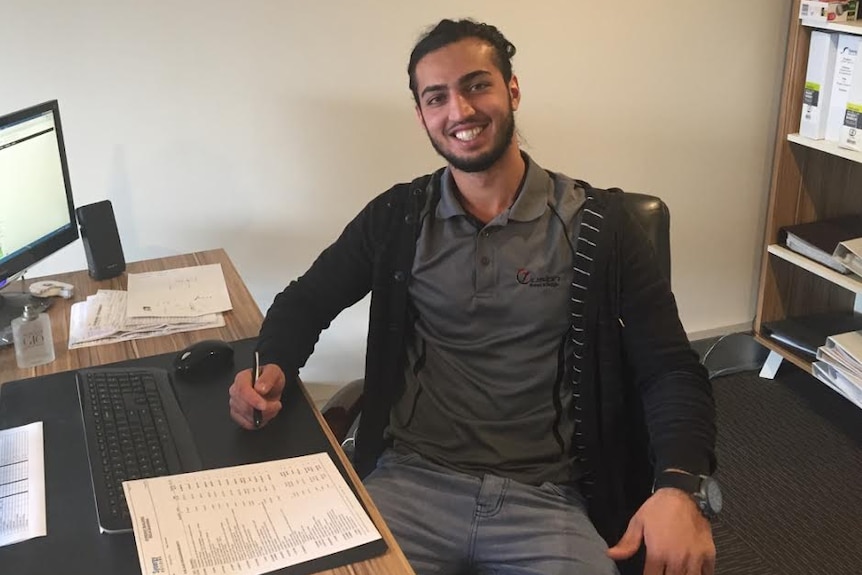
x=514 y=92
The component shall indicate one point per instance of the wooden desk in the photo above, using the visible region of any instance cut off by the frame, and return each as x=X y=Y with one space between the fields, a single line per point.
x=242 y=322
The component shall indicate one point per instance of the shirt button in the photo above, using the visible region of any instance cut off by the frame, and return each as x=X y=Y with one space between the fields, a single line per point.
x=485 y=261
x=398 y=276
x=486 y=233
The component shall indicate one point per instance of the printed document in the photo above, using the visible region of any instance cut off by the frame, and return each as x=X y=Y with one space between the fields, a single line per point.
x=183 y=292
x=102 y=319
x=245 y=520
x=22 y=484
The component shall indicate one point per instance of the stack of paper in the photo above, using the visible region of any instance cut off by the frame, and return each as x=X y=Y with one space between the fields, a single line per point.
x=839 y=365
x=157 y=303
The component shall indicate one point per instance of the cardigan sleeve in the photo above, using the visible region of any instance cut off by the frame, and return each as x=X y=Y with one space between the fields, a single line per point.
x=677 y=396
x=339 y=277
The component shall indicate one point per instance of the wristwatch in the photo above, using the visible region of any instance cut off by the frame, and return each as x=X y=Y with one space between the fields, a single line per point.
x=702 y=488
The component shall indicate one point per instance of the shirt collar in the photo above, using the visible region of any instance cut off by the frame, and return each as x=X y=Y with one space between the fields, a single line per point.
x=530 y=203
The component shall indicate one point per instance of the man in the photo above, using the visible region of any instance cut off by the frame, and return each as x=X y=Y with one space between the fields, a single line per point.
x=520 y=330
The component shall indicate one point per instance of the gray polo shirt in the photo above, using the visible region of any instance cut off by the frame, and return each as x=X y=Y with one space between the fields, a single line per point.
x=486 y=389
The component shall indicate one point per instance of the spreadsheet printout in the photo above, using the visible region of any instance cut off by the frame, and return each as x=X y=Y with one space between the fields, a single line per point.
x=245 y=520
x=22 y=484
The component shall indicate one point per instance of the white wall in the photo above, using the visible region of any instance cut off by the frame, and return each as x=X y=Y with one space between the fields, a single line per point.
x=263 y=127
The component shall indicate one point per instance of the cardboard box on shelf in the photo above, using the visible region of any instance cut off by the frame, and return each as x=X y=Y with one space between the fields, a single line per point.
x=828 y=10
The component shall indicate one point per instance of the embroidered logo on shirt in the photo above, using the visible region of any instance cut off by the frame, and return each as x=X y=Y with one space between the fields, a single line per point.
x=526 y=277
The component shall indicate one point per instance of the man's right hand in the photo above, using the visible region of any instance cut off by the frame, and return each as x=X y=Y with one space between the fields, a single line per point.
x=265 y=395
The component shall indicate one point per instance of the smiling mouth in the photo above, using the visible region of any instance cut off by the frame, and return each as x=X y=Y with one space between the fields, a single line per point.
x=469 y=135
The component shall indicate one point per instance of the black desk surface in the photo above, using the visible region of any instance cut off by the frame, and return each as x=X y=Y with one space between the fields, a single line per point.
x=73 y=543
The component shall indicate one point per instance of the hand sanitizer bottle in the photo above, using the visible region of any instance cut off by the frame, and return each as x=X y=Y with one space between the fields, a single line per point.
x=34 y=342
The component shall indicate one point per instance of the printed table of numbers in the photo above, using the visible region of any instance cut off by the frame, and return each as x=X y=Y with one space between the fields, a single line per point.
x=245 y=520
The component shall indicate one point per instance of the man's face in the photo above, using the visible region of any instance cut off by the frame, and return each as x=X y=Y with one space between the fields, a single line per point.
x=466 y=107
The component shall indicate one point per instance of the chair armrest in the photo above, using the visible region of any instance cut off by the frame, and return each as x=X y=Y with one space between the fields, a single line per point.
x=342 y=409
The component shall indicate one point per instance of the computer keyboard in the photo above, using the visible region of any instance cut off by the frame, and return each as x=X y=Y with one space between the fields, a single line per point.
x=134 y=429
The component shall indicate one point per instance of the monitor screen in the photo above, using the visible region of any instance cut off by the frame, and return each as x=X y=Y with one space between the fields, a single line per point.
x=37 y=215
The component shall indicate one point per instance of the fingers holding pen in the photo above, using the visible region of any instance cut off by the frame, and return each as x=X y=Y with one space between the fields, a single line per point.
x=265 y=395
x=270 y=383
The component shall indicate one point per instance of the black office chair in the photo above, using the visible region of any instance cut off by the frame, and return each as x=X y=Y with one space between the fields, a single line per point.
x=343 y=409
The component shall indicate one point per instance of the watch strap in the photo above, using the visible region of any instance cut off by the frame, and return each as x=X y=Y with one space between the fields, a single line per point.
x=688 y=483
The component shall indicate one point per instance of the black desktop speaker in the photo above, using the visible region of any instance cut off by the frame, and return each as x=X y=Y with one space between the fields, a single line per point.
x=101 y=240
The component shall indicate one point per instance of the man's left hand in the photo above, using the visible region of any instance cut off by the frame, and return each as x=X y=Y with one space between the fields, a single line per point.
x=677 y=536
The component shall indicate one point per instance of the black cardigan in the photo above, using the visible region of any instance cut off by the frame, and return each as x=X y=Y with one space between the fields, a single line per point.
x=645 y=398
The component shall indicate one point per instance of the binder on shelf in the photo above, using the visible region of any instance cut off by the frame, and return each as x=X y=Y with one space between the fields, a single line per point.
x=850 y=254
x=839 y=365
x=851 y=123
x=846 y=385
x=818 y=84
x=806 y=334
x=819 y=240
x=842 y=79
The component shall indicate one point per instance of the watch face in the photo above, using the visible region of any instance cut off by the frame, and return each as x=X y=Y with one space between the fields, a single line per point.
x=713 y=494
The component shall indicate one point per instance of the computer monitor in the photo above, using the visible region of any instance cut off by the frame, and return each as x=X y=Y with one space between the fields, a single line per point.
x=37 y=215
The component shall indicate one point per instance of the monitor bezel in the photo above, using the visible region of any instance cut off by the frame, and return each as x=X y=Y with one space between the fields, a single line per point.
x=65 y=235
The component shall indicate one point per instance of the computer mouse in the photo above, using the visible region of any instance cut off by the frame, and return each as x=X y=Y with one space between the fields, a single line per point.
x=209 y=357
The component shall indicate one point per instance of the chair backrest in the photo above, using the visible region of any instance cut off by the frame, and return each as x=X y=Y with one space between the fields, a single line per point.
x=654 y=217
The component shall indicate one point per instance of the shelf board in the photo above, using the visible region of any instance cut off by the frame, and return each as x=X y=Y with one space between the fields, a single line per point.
x=827 y=147
x=844 y=27
x=784 y=352
x=850 y=281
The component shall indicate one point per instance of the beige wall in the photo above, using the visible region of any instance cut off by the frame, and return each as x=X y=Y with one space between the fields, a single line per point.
x=262 y=126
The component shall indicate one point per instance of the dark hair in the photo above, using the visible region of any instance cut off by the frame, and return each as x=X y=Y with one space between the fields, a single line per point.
x=450 y=31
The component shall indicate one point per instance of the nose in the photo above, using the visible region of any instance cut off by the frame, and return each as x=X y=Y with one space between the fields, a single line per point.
x=460 y=108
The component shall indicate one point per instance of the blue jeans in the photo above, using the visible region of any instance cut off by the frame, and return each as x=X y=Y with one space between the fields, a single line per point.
x=452 y=523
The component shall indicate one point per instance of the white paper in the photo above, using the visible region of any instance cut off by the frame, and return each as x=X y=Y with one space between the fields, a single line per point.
x=182 y=292
x=102 y=319
x=245 y=520
x=22 y=484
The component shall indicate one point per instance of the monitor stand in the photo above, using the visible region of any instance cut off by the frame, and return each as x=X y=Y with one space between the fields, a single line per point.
x=12 y=306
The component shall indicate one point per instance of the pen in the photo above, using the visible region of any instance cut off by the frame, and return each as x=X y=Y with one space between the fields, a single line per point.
x=258 y=416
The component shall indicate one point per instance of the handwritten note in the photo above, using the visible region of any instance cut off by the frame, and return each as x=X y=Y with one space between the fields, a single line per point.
x=22 y=484
x=245 y=520
x=181 y=292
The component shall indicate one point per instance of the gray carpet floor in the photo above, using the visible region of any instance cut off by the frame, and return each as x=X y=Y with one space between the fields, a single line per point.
x=790 y=467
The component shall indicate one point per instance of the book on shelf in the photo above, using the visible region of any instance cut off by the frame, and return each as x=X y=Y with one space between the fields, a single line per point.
x=819 y=240
x=805 y=334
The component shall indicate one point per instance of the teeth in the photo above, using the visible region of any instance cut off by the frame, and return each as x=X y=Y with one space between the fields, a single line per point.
x=467 y=135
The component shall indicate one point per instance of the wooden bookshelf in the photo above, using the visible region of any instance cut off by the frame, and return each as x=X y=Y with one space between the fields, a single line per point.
x=811 y=180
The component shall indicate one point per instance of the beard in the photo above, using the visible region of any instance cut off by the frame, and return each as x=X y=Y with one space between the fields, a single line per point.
x=483 y=161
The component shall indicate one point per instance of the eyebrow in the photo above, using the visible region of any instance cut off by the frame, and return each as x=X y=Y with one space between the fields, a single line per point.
x=466 y=78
